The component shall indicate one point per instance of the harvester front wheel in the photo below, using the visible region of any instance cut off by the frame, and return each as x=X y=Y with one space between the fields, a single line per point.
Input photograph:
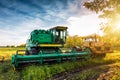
x=27 y=52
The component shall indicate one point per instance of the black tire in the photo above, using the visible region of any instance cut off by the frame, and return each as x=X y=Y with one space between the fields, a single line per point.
x=92 y=54
x=103 y=55
x=27 y=52
x=34 y=51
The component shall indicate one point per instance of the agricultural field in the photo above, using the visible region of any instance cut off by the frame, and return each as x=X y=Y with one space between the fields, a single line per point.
x=7 y=52
x=99 y=68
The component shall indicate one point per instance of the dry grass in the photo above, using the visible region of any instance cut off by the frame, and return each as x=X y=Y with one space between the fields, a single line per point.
x=7 y=52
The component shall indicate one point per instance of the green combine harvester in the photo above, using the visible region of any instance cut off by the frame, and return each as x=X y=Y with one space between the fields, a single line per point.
x=44 y=45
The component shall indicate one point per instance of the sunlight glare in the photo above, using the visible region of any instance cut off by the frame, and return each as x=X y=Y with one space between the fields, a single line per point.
x=118 y=24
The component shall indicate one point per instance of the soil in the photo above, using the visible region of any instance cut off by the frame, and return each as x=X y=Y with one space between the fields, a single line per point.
x=104 y=73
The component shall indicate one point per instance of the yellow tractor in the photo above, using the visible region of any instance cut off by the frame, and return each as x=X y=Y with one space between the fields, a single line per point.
x=96 y=45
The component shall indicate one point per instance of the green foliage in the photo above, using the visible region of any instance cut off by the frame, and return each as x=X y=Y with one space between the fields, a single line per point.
x=7 y=72
x=110 y=8
x=33 y=73
x=73 y=41
x=47 y=71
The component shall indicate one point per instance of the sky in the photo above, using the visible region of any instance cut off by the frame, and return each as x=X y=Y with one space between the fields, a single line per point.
x=19 y=17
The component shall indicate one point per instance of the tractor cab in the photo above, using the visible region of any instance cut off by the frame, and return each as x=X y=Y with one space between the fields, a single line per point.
x=90 y=39
x=59 y=34
x=96 y=44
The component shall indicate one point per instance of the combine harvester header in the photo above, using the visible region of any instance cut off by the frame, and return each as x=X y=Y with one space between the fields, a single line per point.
x=44 y=45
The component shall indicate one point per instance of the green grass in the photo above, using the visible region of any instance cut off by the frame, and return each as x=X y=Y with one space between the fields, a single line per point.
x=7 y=72
x=37 y=72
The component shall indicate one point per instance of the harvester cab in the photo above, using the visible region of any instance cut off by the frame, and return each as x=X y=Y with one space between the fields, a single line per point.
x=59 y=34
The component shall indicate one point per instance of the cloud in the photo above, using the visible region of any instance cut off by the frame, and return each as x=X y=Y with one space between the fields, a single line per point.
x=84 y=25
x=19 y=34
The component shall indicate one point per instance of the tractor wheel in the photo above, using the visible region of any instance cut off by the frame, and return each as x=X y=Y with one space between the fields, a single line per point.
x=103 y=55
x=92 y=55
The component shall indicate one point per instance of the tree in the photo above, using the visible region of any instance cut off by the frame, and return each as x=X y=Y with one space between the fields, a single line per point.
x=22 y=45
x=108 y=9
x=73 y=41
